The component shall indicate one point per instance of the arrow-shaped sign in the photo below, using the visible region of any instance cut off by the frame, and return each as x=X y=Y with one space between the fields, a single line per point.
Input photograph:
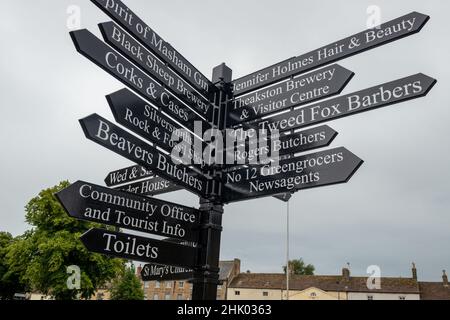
x=150 y=187
x=295 y=92
x=157 y=272
x=110 y=136
x=136 y=248
x=383 y=95
x=127 y=175
x=289 y=144
x=113 y=63
x=138 y=116
x=128 y=20
x=89 y=202
x=132 y=50
x=390 y=31
x=314 y=170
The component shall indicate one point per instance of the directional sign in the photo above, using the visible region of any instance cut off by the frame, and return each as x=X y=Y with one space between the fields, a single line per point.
x=157 y=272
x=136 y=248
x=86 y=201
x=110 y=136
x=314 y=170
x=131 y=49
x=149 y=123
x=292 y=93
x=383 y=95
x=112 y=62
x=150 y=187
x=127 y=175
x=302 y=141
x=128 y=20
x=390 y=31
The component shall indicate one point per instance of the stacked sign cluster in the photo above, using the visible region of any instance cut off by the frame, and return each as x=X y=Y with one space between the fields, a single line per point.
x=165 y=93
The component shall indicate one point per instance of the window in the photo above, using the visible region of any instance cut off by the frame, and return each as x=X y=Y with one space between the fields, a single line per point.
x=237 y=293
x=168 y=297
x=157 y=284
x=146 y=284
x=265 y=294
x=369 y=297
x=179 y=297
x=181 y=284
x=168 y=285
x=313 y=294
x=155 y=297
x=402 y=298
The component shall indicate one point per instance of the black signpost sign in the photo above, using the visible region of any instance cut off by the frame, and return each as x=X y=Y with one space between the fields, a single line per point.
x=390 y=31
x=157 y=272
x=127 y=175
x=112 y=62
x=127 y=19
x=137 y=248
x=110 y=136
x=284 y=144
x=138 y=116
x=280 y=99
x=314 y=170
x=295 y=92
x=150 y=187
x=387 y=94
x=86 y=201
x=131 y=49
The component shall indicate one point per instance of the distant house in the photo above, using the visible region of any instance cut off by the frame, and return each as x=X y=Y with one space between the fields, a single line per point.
x=248 y=286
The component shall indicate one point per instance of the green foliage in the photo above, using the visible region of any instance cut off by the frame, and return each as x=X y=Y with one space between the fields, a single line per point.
x=9 y=281
x=42 y=255
x=127 y=286
x=299 y=267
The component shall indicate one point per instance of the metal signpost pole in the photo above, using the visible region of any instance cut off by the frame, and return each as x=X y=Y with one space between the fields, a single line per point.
x=206 y=278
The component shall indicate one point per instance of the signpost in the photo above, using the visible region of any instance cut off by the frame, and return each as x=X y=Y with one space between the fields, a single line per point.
x=279 y=99
x=387 y=94
x=110 y=136
x=138 y=248
x=150 y=187
x=127 y=175
x=387 y=32
x=128 y=20
x=284 y=144
x=86 y=201
x=141 y=57
x=112 y=62
x=314 y=170
x=138 y=116
x=295 y=92
x=156 y=272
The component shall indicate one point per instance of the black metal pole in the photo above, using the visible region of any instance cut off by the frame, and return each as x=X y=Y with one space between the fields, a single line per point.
x=206 y=277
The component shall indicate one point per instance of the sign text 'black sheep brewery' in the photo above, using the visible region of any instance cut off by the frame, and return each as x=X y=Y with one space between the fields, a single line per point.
x=166 y=113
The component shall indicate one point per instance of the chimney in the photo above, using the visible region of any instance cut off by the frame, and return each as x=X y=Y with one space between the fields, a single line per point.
x=237 y=266
x=444 y=278
x=414 y=271
x=346 y=274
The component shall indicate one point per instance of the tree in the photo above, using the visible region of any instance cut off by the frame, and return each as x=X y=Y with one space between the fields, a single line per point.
x=127 y=286
x=42 y=256
x=9 y=281
x=299 y=267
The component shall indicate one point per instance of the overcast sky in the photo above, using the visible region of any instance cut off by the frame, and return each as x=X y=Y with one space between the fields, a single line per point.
x=394 y=211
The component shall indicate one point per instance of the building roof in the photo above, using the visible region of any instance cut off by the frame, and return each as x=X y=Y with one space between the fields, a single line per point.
x=226 y=268
x=434 y=291
x=326 y=283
